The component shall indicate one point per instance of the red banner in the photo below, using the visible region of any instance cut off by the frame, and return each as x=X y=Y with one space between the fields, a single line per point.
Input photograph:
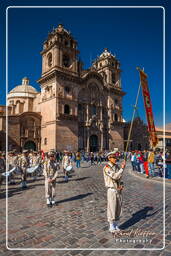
x=148 y=108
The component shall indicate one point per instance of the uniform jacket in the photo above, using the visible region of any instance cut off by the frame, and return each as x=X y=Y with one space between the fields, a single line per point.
x=65 y=161
x=112 y=175
x=50 y=169
x=24 y=162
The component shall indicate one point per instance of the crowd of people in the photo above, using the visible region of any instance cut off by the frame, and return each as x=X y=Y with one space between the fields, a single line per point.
x=151 y=163
x=32 y=163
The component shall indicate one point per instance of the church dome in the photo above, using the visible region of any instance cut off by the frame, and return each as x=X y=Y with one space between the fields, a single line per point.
x=23 y=90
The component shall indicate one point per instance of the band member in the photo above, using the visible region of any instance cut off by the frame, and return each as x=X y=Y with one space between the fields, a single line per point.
x=12 y=161
x=66 y=161
x=112 y=177
x=24 y=164
x=2 y=167
x=50 y=172
x=35 y=160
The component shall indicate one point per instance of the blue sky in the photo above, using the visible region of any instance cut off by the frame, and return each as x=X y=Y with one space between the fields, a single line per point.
x=135 y=35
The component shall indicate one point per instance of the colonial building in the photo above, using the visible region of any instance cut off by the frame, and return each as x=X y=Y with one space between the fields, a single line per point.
x=164 y=138
x=75 y=108
x=139 y=139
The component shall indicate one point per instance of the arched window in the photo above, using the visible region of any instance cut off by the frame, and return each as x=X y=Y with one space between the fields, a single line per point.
x=45 y=141
x=49 y=58
x=94 y=111
x=113 y=78
x=67 y=89
x=80 y=107
x=67 y=109
x=66 y=61
x=116 y=101
x=116 y=118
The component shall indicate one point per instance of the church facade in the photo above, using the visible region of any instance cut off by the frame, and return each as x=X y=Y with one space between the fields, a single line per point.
x=76 y=109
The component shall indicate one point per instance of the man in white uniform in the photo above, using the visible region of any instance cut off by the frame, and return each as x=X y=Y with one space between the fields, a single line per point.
x=112 y=177
x=50 y=172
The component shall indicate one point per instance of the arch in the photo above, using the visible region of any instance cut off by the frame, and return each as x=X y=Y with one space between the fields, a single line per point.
x=94 y=109
x=66 y=109
x=93 y=143
x=49 y=59
x=139 y=146
x=93 y=74
x=30 y=145
x=116 y=117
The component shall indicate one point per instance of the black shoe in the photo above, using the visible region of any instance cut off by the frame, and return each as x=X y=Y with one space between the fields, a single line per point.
x=49 y=205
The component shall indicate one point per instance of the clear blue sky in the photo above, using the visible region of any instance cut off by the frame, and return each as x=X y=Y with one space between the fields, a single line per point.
x=134 y=35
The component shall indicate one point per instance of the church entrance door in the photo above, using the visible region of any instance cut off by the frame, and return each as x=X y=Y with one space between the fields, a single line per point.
x=94 y=143
x=30 y=145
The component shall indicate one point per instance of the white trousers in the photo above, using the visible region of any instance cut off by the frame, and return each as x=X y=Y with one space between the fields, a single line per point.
x=114 y=205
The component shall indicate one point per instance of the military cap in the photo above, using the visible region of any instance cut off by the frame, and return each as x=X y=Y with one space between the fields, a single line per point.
x=112 y=153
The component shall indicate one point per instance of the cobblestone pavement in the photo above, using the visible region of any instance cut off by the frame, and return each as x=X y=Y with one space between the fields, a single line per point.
x=79 y=218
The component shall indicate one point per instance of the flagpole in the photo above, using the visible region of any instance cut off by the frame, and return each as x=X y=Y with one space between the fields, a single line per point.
x=135 y=107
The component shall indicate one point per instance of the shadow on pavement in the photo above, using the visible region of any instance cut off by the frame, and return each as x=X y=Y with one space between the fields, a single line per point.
x=74 y=198
x=14 y=191
x=136 y=217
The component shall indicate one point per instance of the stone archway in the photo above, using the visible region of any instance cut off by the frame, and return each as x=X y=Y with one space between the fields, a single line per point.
x=30 y=145
x=94 y=147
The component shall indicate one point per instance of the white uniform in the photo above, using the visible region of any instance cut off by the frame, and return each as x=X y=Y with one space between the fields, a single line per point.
x=50 y=172
x=112 y=177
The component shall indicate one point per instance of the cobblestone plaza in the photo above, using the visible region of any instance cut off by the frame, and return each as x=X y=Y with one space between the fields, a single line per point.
x=79 y=218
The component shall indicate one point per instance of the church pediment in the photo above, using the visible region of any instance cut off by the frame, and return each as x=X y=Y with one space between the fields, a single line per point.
x=94 y=75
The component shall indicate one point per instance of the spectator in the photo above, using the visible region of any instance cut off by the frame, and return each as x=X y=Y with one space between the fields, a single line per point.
x=141 y=161
x=133 y=161
x=151 y=162
x=78 y=159
x=168 y=163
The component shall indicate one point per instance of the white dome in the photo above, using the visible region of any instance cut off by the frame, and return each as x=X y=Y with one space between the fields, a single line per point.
x=23 y=90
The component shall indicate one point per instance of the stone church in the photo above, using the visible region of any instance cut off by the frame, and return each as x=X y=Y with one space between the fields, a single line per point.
x=75 y=109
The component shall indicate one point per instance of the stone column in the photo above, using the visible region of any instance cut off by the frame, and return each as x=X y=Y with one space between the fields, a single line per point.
x=101 y=113
x=88 y=138
x=87 y=113
x=57 y=56
x=43 y=63
x=101 y=146
x=61 y=57
x=17 y=108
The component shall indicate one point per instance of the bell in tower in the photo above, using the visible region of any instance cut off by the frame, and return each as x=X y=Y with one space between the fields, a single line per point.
x=60 y=52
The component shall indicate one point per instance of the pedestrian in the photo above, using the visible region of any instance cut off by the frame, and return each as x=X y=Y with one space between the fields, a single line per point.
x=133 y=161
x=151 y=162
x=92 y=158
x=78 y=159
x=24 y=163
x=141 y=161
x=168 y=163
x=2 y=167
x=35 y=161
x=50 y=172
x=12 y=161
x=112 y=177
x=66 y=161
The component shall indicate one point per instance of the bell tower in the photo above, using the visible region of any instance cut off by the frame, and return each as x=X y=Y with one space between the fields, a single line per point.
x=60 y=52
x=109 y=67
